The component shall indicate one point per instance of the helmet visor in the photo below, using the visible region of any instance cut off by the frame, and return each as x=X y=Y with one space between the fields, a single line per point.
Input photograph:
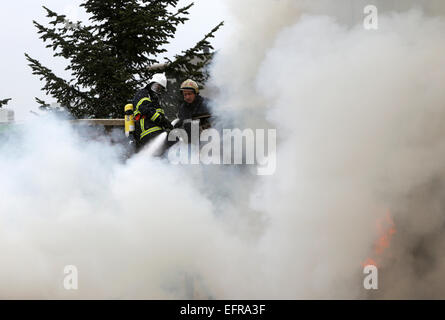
x=157 y=88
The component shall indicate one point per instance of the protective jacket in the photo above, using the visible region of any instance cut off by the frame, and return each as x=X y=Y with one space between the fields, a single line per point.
x=196 y=108
x=149 y=117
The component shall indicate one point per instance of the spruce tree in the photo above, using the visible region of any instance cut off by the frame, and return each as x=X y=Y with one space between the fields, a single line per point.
x=112 y=57
x=4 y=102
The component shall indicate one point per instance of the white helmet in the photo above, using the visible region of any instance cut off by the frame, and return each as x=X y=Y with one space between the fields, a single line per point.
x=159 y=78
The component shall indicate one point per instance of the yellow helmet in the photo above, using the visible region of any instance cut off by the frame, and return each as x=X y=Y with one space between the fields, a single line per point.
x=189 y=84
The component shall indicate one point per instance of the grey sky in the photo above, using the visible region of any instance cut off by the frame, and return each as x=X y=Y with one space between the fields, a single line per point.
x=18 y=35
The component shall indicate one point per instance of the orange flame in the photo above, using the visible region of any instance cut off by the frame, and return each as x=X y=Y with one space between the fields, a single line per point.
x=369 y=262
x=386 y=229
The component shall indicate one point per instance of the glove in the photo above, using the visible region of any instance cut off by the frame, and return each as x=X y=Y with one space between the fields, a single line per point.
x=166 y=124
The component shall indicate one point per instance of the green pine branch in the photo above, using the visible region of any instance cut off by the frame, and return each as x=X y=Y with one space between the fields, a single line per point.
x=4 y=102
x=110 y=59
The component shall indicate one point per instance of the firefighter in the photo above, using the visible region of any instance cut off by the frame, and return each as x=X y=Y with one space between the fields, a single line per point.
x=149 y=117
x=193 y=107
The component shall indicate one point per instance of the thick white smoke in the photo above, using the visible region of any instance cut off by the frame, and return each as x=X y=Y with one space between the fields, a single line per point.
x=359 y=121
x=134 y=230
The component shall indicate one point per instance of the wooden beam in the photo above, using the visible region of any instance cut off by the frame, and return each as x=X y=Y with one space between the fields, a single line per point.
x=99 y=122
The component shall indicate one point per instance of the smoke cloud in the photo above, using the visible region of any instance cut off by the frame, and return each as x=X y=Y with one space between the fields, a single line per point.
x=358 y=115
x=359 y=122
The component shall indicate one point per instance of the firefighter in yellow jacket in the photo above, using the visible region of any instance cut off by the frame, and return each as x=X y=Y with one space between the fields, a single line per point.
x=149 y=117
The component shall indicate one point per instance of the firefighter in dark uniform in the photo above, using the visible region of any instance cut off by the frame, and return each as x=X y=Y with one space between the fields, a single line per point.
x=149 y=117
x=193 y=107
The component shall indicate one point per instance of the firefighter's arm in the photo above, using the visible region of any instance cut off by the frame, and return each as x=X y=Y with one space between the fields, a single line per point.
x=164 y=122
x=147 y=109
x=157 y=116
